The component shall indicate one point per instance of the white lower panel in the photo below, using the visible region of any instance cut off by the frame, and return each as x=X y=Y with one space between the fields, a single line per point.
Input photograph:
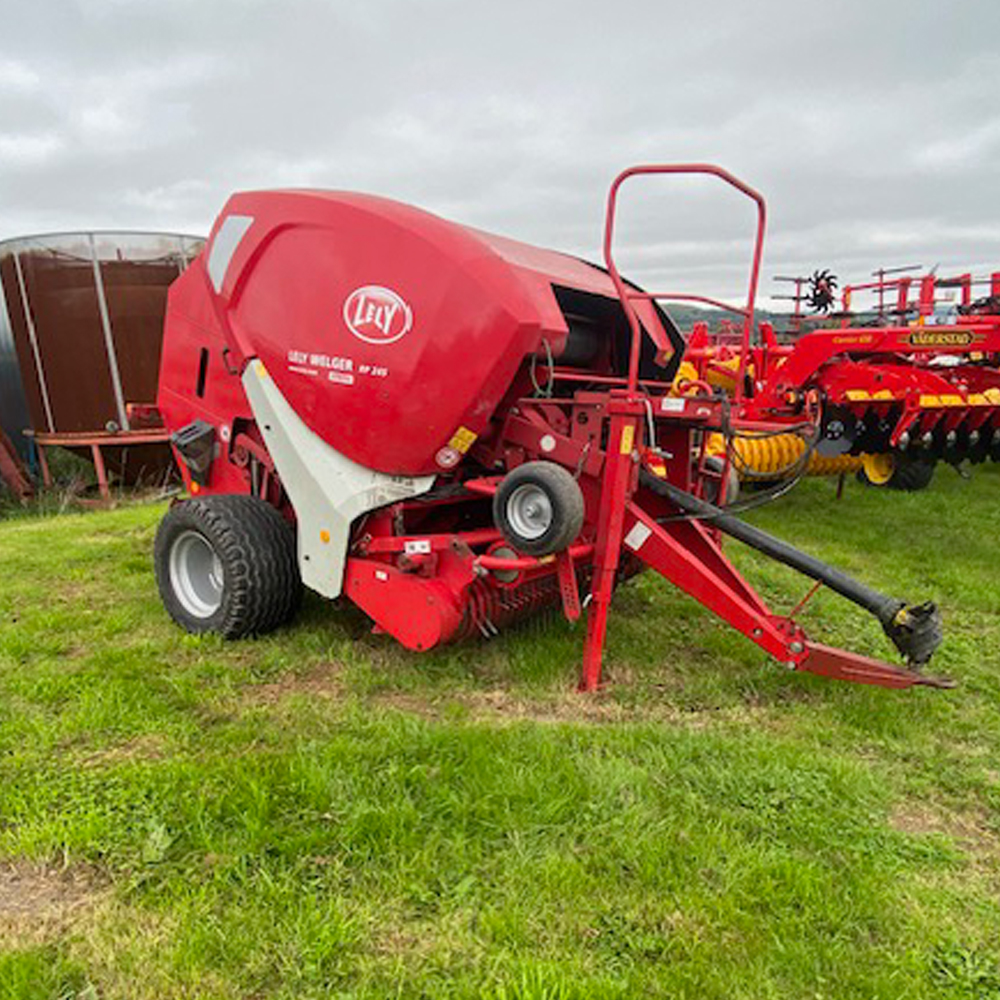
x=327 y=490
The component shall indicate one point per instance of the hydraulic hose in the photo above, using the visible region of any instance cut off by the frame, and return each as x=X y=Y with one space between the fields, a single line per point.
x=914 y=630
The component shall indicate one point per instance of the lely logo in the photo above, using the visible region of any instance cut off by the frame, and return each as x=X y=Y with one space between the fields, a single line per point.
x=377 y=315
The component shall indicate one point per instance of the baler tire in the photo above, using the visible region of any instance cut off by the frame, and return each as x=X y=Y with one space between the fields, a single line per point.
x=253 y=545
x=566 y=504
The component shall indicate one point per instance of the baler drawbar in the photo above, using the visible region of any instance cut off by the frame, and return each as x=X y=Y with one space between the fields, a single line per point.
x=454 y=430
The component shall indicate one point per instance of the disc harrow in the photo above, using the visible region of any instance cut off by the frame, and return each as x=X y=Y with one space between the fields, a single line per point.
x=907 y=384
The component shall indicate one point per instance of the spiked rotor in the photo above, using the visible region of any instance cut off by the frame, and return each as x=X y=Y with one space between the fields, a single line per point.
x=822 y=291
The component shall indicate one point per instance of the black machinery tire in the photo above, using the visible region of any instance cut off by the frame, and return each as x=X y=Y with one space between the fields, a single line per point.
x=227 y=564
x=912 y=475
x=529 y=483
x=909 y=476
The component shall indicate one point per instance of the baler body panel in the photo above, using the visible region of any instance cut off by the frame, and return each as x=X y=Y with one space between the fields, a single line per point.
x=392 y=329
x=192 y=333
x=327 y=490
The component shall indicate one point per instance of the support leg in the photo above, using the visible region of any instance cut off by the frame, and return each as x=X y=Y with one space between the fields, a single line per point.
x=618 y=472
x=102 y=474
x=43 y=463
x=593 y=648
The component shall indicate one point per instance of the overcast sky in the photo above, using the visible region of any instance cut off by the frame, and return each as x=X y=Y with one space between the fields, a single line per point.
x=871 y=126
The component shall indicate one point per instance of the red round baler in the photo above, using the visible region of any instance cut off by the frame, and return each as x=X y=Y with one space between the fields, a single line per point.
x=453 y=430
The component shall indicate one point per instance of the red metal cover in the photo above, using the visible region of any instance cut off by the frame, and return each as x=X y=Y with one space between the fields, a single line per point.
x=393 y=332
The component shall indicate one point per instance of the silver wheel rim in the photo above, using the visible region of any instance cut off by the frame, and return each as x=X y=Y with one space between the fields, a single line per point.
x=529 y=511
x=196 y=574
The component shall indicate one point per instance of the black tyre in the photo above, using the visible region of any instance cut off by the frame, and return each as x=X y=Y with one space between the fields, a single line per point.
x=715 y=463
x=538 y=508
x=227 y=564
x=911 y=475
x=908 y=475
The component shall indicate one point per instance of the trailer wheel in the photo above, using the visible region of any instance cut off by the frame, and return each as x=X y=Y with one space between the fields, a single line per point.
x=227 y=564
x=716 y=463
x=538 y=508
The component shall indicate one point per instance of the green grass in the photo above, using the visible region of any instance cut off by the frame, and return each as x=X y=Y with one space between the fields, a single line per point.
x=320 y=814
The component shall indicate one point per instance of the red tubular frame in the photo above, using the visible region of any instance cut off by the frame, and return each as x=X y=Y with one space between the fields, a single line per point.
x=627 y=409
x=95 y=441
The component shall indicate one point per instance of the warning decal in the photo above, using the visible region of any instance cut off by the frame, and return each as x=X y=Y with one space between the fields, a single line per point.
x=462 y=439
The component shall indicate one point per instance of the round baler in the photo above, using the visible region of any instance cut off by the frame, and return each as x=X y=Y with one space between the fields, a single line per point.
x=452 y=429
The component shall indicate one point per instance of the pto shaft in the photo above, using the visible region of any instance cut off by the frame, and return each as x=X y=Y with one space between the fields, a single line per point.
x=914 y=630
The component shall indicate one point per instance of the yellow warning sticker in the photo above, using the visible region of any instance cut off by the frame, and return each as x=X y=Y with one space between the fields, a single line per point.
x=462 y=439
x=628 y=438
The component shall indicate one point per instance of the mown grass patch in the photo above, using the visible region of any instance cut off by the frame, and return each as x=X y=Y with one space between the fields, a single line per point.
x=318 y=813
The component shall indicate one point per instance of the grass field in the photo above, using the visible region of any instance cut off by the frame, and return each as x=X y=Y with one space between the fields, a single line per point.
x=319 y=814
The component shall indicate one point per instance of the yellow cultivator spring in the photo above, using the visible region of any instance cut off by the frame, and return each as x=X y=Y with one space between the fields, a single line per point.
x=777 y=455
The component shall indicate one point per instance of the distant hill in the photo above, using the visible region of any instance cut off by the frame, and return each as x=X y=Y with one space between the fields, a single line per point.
x=685 y=316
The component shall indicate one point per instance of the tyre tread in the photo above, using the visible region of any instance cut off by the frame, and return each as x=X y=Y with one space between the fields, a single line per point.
x=910 y=477
x=568 y=506
x=257 y=549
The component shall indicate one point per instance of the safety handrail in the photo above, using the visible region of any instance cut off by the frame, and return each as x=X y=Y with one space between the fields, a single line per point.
x=687 y=297
x=625 y=296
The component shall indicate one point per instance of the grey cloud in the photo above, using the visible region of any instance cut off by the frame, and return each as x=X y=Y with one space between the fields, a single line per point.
x=870 y=127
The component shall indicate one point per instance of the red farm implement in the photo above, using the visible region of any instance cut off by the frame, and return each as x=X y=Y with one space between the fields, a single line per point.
x=454 y=430
x=908 y=382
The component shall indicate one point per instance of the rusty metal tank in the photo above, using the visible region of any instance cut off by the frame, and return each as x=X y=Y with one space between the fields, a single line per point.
x=81 y=326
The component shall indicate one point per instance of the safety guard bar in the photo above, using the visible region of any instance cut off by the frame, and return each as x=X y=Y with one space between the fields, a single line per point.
x=626 y=296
